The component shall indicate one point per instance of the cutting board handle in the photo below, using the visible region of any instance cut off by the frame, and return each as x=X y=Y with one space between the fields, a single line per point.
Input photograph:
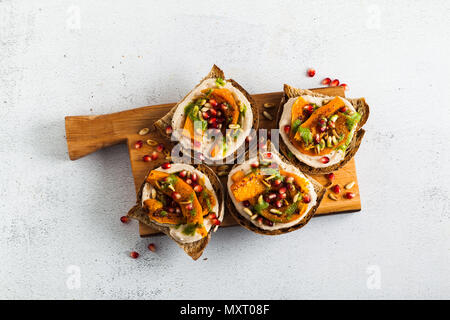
x=87 y=134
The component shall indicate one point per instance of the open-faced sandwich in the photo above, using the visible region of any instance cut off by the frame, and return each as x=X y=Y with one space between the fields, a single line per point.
x=270 y=196
x=214 y=119
x=320 y=133
x=184 y=202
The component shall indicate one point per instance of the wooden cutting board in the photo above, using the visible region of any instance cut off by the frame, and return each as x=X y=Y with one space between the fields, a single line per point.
x=87 y=134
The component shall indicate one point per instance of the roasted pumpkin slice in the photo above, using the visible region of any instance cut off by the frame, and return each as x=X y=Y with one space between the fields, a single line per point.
x=225 y=95
x=156 y=213
x=300 y=182
x=248 y=187
x=193 y=216
x=207 y=201
x=188 y=129
x=289 y=213
x=297 y=110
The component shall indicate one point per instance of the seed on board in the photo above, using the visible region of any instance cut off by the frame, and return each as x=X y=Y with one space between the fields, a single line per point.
x=124 y=219
x=138 y=144
x=222 y=168
x=349 y=195
x=349 y=185
x=269 y=105
x=152 y=142
x=153 y=195
x=248 y=211
x=332 y=197
x=169 y=130
x=267 y=115
x=144 y=131
x=152 y=247
x=234 y=126
x=134 y=254
x=222 y=173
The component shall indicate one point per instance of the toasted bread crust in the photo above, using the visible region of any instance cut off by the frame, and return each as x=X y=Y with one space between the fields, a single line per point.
x=193 y=249
x=359 y=104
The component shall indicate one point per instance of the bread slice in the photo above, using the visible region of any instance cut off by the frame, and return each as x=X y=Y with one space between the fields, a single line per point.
x=193 y=249
x=318 y=188
x=359 y=104
x=215 y=72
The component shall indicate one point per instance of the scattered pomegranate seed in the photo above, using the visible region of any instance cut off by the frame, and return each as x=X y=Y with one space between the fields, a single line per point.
x=152 y=247
x=268 y=155
x=212 y=215
x=282 y=190
x=169 y=130
x=138 y=144
x=154 y=155
x=287 y=129
x=343 y=109
x=349 y=195
x=311 y=72
x=323 y=129
x=183 y=174
x=176 y=195
x=276 y=182
x=282 y=195
x=316 y=138
x=212 y=120
x=330 y=176
x=324 y=160
x=160 y=147
x=255 y=165
x=189 y=206
x=194 y=177
x=213 y=112
x=212 y=102
x=205 y=115
x=124 y=219
x=188 y=181
x=306 y=198
x=309 y=108
x=326 y=81
x=334 y=83
x=215 y=222
x=246 y=203
x=198 y=188
x=290 y=180
x=336 y=189
x=260 y=220
x=268 y=222
x=278 y=203
x=345 y=86
x=134 y=254
x=166 y=165
x=146 y=158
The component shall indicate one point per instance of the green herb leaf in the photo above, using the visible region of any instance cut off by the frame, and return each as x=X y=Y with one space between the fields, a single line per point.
x=296 y=125
x=220 y=82
x=163 y=213
x=305 y=134
x=260 y=206
x=352 y=120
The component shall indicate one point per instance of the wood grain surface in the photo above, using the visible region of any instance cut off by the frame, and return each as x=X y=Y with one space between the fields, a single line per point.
x=87 y=134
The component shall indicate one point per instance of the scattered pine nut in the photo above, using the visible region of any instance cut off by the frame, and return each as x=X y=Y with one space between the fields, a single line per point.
x=144 y=131
x=248 y=211
x=349 y=185
x=152 y=142
x=268 y=105
x=267 y=115
x=222 y=173
x=332 y=197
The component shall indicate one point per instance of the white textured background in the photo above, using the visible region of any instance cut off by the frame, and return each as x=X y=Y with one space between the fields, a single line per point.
x=76 y=57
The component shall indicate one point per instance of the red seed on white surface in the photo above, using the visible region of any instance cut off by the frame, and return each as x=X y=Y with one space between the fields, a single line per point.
x=324 y=160
x=183 y=174
x=198 y=188
x=306 y=198
x=326 y=81
x=345 y=86
x=311 y=72
x=166 y=165
x=334 y=83
x=124 y=219
x=287 y=129
x=152 y=247
x=255 y=165
x=176 y=195
x=215 y=222
x=134 y=254
x=212 y=215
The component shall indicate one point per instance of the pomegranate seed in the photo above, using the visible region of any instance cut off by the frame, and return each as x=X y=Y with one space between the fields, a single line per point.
x=223 y=107
x=343 y=109
x=309 y=108
x=169 y=130
x=215 y=222
x=213 y=112
x=276 y=182
x=323 y=129
x=289 y=179
x=282 y=195
x=322 y=121
x=212 y=102
x=316 y=138
x=260 y=220
x=212 y=215
x=160 y=147
x=287 y=129
x=138 y=144
x=188 y=181
x=246 y=203
x=171 y=210
x=134 y=254
x=268 y=155
x=176 y=195
x=330 y=176
x=154 y=155
x=282 y=190
x=183 y=174
x=326 y=81
x=336 y=189
x=205 y=115
x=212 y=120
x=349 y=195
x=198 y=188
x=291 y=187
x=177 y=210
x=255 y=165
x=166 y=165
x=324 y=160
x=345 y=86
x=278 y=203
x=189 y=206
x=194 y=177
x=334 y=83
x=146 y=158
x=124 y=219
x=311 y=72
x=268 y=222
x=306 y=198
x=152 y=247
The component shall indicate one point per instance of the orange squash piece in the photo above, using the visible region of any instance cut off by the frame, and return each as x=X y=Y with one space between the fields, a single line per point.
x=154 y=209
x=248 y=187
x=297 y=109
x=225 y=95
x=188 y=129
x=283 y=218
x=298 y=181
x=238 y=175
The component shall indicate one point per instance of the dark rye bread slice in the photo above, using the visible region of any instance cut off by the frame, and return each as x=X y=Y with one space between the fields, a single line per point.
x=215 y=72
x=238 y=216
x=193 y=249
x=359 y=104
